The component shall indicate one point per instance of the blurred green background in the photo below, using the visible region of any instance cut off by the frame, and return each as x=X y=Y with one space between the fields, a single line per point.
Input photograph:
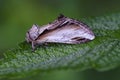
x=17 y=16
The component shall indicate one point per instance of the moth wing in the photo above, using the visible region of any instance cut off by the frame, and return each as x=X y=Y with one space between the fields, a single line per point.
x=57 y=23
x=49 y=27
x=70 y=34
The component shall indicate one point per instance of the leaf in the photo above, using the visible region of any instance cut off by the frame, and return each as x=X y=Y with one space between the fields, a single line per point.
x=101 y=54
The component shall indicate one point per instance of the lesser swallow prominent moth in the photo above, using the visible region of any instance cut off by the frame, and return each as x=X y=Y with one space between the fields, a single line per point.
x=62 y=30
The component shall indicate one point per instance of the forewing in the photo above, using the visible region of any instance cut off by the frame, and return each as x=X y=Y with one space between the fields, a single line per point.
x=57 y=23
x=71 y=34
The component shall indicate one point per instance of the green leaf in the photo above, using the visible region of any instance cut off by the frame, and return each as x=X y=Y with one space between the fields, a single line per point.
x=101 y=54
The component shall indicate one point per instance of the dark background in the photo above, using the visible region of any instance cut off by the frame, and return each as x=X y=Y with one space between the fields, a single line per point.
x=17 y=16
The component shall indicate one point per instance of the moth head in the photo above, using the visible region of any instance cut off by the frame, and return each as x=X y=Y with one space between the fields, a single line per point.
x=32 y=34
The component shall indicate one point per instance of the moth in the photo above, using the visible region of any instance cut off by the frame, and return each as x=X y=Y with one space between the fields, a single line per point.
x=62 y=30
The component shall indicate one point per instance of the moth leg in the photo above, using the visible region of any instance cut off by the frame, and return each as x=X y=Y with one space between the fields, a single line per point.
x=45 y=43
x=33 y=45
